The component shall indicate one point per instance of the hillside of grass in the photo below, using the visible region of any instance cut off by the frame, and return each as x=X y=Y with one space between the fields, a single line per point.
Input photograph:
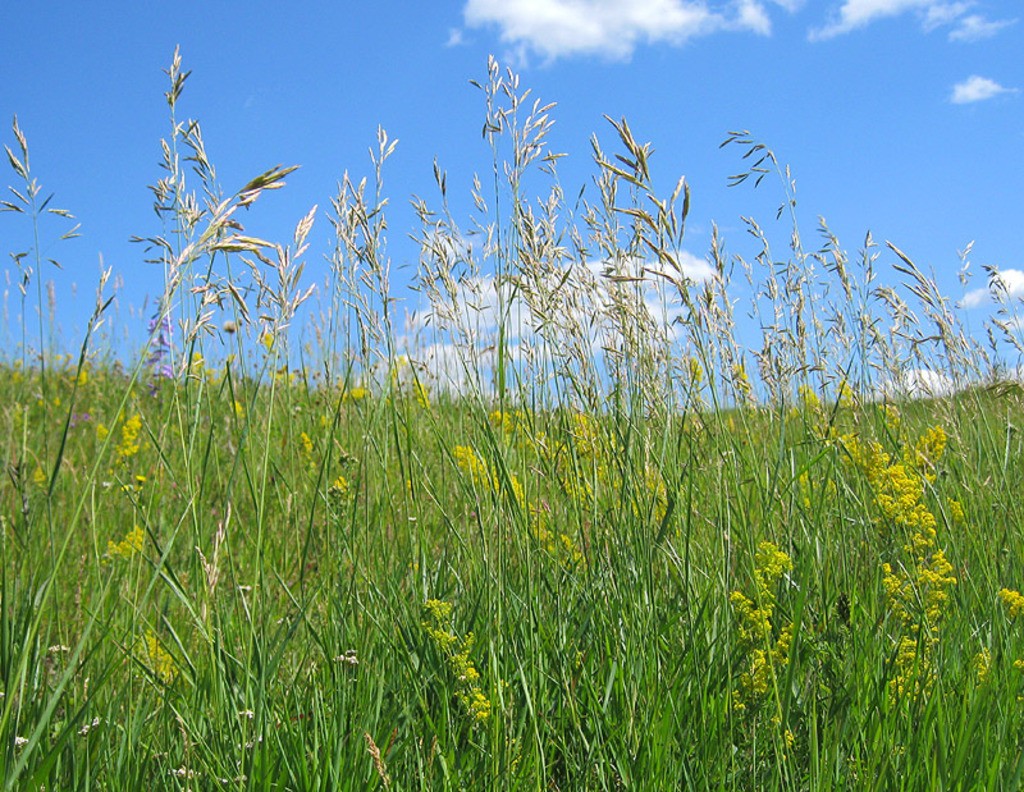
x=594 y=547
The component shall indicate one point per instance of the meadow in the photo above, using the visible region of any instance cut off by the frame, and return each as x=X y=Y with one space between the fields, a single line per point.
x=597 y=543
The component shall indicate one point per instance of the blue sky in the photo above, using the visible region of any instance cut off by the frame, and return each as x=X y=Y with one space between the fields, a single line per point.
x=902 y=117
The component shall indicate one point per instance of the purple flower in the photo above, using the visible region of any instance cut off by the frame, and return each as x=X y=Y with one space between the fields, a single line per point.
x=160 y=332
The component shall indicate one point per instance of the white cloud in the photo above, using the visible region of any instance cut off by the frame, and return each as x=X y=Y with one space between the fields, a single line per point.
x=977 y=89
x=975 y=28
x=1004 y=285
x=610 y=28
x=454 y=38
x=751 y=15
x=855 y=14
x=939 y=14
x=695 y=268
x=916 y=383
x=974 y=298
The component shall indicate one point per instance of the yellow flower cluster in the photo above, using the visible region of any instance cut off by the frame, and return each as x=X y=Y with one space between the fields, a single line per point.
x=809 y=398
x=514 y=425
x=355 y=394
x=561 y=545
x=485 y=477
x=847 y=397
x=928 y=451
x=899 y=486
x=918 y=590
x=654 y=484
x=696 y=370
x=438 y=626
x=1013 y=600
x=157 y=659
x=910 y=599
x=741 y=383
x=893 y=420
x=754 y=616
x=818 y=417
x=422 y=394
x=576 y=464
x=806 y=489
x=132 y=543
x=129 y=445
x=340 y=491
x=983 y=665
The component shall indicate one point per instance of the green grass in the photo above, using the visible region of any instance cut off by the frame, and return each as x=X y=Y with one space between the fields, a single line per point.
x=623 y=566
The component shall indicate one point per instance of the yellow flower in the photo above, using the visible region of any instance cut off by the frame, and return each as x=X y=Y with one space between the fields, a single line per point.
x=157 y=659
x=808 y=398
x=1013 y=600
x=129 y=445
x=847 y=398
x=340 y=490
x=741 y=382
x=456 y=652
x=755 y=627
x=696 y=370
x=422 y=395
x=928 y=451
x=983 y=664
x=132 y=543
x=471 y=463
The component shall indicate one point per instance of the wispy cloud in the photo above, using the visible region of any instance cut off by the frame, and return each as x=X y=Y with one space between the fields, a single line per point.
x=455 y=38
x=937 y=15
x=975 y=28
x=856 y=14
x=611 y=28
x=977 y=89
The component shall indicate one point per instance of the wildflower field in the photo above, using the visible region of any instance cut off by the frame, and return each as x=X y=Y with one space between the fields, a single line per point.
x=603 y=544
